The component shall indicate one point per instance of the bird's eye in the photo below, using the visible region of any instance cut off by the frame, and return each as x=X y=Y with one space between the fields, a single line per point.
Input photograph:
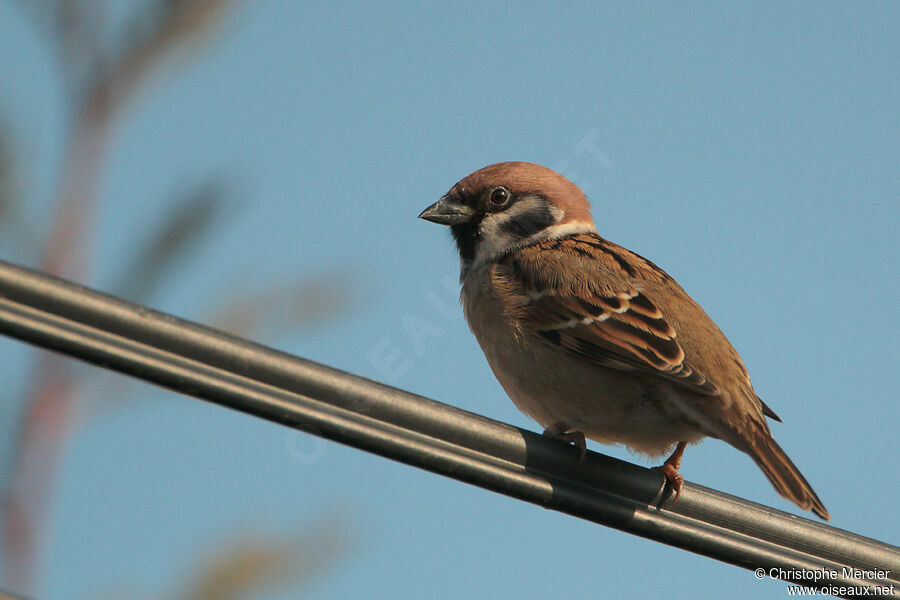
x=499 y=197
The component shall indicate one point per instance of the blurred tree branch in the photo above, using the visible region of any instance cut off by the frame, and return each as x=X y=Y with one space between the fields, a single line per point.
x=293 y=304
x=16 y=230
x=173 y=239
x=252 y=563
x=9 y=180
x=102 y=70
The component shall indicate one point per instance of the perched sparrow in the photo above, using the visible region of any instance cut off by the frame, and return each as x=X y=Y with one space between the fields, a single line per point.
x=592 y=340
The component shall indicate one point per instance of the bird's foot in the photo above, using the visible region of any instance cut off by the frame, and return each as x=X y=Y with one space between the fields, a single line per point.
x=563 y=432
x=669 y=469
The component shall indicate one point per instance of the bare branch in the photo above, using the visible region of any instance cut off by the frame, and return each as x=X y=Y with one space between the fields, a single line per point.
x=182 y=21
x=108 y=80
x=253 y=564
x=190 y=219
x=9 y=176
x=295 y=305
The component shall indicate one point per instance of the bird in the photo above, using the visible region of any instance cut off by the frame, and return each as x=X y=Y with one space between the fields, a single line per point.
x=592 y=340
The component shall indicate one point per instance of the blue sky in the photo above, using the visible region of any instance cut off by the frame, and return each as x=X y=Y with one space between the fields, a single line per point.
x=750 y=149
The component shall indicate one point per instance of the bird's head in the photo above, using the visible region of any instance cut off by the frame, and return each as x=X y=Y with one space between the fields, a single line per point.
x=509 y=205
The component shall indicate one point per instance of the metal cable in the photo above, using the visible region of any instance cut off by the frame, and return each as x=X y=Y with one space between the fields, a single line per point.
x=215 y=366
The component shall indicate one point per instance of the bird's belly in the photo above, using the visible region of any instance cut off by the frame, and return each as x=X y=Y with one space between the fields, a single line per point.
x=606 y=405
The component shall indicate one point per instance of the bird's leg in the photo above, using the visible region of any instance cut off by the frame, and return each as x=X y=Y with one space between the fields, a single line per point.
x=669 y=469
x=563 y=432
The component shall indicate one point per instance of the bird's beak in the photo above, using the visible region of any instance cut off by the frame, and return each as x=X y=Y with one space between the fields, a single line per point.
x=447 y=212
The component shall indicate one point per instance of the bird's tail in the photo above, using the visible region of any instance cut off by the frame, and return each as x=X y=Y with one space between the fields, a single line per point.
x=784 y=475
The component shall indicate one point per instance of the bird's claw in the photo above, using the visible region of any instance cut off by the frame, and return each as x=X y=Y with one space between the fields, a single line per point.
x=563 y=432
x=669 y=469
x=674 y=479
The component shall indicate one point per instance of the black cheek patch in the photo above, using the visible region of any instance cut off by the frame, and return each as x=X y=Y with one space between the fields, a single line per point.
x=529 y=222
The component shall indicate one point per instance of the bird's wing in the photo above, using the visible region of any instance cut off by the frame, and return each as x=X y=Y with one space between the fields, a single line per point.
x=599 y=315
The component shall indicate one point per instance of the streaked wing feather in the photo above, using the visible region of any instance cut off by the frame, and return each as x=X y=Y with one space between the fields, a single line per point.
x=624 y=330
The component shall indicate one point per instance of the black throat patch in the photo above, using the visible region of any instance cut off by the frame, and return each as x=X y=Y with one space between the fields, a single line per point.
x=466 y=236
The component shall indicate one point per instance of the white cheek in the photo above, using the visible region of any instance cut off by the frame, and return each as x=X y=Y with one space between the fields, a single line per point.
x=494 y=239
x=497 y=238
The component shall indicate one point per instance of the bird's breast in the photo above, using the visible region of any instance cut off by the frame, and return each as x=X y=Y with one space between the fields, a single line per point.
x=552 y=386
